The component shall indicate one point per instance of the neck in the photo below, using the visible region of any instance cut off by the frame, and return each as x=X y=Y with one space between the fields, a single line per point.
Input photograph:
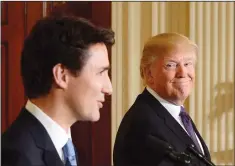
x=56 y=110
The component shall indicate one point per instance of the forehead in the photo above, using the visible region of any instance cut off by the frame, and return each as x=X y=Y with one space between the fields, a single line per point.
x=181 y=55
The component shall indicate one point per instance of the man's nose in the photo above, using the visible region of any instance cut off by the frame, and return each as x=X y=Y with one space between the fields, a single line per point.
x=181 y=71
x=108 y=89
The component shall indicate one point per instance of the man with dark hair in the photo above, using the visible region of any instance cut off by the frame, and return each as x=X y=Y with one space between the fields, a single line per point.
x=64 y=67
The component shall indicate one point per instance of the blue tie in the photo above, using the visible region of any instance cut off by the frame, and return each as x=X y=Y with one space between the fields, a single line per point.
x=69 y=154
x=189 y=127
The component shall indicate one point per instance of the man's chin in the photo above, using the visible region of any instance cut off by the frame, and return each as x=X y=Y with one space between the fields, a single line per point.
x=182 y=98
x=179 y=99
x=95 y=118
x=90 y=118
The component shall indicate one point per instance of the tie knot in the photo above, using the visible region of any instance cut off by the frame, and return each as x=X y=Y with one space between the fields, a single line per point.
x=69 y=154
x=184 y=114
x=182 y=109
x=68 y=149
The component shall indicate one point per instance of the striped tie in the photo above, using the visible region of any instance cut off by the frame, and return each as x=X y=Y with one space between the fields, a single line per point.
x=69 y=154
x=189 y=127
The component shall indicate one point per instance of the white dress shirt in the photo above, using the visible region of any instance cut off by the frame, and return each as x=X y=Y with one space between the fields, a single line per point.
x=57 y=134
x=174 y=110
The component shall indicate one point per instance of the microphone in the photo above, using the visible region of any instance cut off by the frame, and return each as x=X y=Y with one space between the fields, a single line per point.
x=200 y=156
x=167 y=149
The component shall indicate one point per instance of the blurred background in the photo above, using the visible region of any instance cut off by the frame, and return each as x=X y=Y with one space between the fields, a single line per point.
x=209 y=24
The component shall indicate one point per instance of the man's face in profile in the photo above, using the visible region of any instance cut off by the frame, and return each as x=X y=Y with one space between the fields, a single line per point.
x=173 y=75
x=86 y=92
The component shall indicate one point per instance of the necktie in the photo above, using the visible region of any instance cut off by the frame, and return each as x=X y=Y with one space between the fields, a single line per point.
x=69 y=154
x=189 y=127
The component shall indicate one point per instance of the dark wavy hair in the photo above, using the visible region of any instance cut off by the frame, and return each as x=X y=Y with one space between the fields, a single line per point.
x=54 y=40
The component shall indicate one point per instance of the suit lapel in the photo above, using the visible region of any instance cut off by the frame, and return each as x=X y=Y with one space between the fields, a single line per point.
x=42 y=140
x=170 y=122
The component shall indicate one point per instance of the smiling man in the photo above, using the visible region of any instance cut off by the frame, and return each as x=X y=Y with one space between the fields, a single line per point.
x=64 y=67
x=158 y=117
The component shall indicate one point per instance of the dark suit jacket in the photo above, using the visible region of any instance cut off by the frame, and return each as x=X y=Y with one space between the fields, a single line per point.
x=148 y=118
x=27 y=143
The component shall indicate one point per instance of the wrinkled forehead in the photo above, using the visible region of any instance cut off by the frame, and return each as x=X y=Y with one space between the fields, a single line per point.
x=176 y=57
x=183 y=54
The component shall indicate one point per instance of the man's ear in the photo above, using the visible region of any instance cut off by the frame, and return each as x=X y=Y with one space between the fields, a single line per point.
x=148 y=75
x=60 y=74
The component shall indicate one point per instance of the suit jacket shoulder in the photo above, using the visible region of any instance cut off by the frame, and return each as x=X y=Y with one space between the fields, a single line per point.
x=148 y=118
x=27 y=142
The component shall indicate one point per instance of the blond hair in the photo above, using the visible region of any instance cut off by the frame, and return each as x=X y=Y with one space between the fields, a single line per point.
x=161 y=45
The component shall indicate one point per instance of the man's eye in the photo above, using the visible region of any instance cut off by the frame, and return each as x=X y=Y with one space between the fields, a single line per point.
x=100 y=73
x=188 y=64
x=171 y=65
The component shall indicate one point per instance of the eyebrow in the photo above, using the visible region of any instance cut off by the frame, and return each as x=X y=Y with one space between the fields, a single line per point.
x=171 y=60
x=105 y=68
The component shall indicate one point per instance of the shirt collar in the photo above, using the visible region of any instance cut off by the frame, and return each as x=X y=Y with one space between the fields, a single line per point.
x=57 y=134
x=173 y=109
